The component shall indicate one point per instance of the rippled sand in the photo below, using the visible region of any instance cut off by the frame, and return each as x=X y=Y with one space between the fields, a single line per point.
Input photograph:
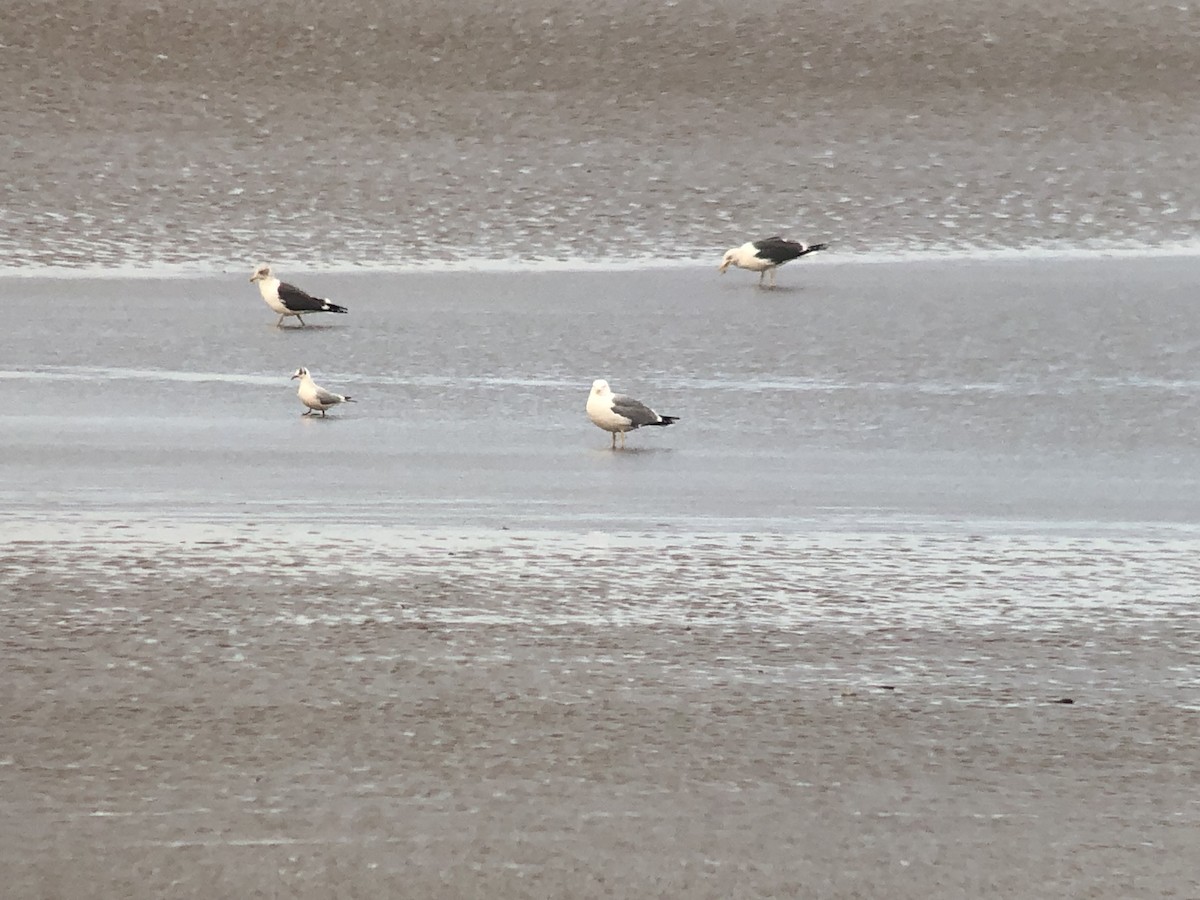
x=200 y=710
x=366 y=133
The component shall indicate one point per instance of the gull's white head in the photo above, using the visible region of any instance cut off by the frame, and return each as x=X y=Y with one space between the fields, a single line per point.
x=299 y=373
x=261 y=273
x=600 y=387
x=729 y=260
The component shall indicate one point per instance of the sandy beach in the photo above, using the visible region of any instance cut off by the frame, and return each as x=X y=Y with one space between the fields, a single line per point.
x=814 y=640
x=904 y=605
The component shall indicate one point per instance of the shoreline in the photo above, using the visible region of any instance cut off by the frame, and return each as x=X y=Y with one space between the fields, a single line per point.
x=41 y=523
x=1038 y=253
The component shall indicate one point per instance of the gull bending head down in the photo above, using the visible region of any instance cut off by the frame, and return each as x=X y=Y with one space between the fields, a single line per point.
x=766 y=255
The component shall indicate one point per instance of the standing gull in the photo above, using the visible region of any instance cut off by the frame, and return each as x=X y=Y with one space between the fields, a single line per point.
x=287 y=299
x=619 y=414
x=315 y=397
x=766 y=255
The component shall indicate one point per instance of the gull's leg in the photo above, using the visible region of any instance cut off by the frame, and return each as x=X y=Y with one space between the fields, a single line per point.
x=301 y=321
x=622 y=440
x=322 y=414
x=303 y=414
x=614 y=440
x=279 y=324
x=761 y=276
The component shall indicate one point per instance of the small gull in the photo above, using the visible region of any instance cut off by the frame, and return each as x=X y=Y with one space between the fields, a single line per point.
x=287 y=299
x=766 y=255
x=619 y=414
x=315 y=397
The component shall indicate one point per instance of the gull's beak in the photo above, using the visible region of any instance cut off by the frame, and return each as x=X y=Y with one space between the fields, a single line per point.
x=723 y=267
x=254 y=277
x=293 y=378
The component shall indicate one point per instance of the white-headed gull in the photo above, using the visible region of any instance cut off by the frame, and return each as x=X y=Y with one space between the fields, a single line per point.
x=766 y=255
x=315 y=397
x=618 y=413
x=287 y=299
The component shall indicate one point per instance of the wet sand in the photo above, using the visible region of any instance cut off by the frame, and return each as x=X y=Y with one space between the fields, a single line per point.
x=205 y=711
x=811 y=641
x=358 y=132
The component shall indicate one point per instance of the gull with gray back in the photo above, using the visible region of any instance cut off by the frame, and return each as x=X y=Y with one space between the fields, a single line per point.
x=618 y=414
x=315 y=397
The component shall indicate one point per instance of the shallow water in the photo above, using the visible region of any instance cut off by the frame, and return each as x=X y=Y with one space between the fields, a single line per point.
x=1054 y=391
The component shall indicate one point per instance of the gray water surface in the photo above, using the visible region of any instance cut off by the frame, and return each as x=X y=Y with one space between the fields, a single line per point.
x=1058 y=391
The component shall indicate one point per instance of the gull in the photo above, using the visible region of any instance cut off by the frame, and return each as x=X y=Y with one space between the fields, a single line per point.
x=619 y=414
x=766 y=255
x=315 y=397
x=287 y=299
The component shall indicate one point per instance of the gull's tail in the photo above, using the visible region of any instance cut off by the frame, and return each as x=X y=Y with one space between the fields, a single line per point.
x=814 y=248
x=665 y=420
x=326 y=306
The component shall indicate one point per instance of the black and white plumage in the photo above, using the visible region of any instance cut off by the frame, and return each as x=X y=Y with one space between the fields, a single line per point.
x=315 y=397
x=618 y=413
x=287 y=299
x=767 y=255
